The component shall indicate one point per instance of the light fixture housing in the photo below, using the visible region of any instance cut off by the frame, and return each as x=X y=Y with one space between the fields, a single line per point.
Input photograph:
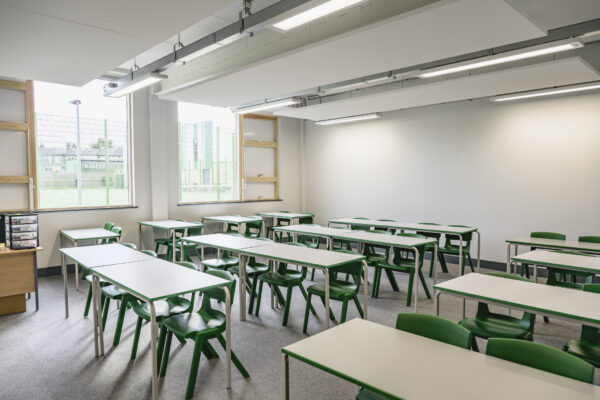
x=534 y=51
x=312 y=14
x=354 y=118
x=268 y=106
x=137 y=83
x=548 y=92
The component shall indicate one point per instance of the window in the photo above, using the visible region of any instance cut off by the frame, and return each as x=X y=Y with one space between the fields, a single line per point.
x=208 y=154
x=83 y=147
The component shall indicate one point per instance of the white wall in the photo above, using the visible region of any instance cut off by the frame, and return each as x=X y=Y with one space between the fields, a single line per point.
x=156 y=176
x=506 y=168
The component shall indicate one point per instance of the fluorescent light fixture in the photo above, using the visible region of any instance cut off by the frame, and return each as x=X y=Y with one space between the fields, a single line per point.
x=137 y=83
x=535 y=51
x=322 y=10
x=343 y=120
x=213 y=46
x=548 y=92
x=268 y=106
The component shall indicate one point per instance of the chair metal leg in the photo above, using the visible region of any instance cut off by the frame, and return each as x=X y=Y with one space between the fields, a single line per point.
x=288 y=301
x=166 y=351
x=136 y=337
x=306 y=310
x=120 y=319
x=411 y=279
x=344 y=311
x=199 y=343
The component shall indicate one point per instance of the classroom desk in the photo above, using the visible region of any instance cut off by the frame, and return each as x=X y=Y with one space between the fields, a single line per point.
x=548 y=301
x=552 y=244
x=154 y=280
x=231 y=243
x=288 y=216
x=397 y=364
x=554 y=259
x=169 y=225
x=231 y=219
x=18 y=276
x=365 y=237
x=409 y=226
x=313 y=258
x=78 y=235
x=90 y=257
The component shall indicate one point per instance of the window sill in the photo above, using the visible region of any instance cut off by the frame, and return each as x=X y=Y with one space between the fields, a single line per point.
x=51 y=210
x=201 y=203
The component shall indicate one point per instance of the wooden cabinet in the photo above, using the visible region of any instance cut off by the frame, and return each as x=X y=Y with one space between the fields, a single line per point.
x=18 y=276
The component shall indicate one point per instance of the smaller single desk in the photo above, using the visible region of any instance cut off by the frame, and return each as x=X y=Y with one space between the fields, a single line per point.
x=18 y=276
x=548 y=301
x=410 y=226
x=313 y=258
x=288 y=216
x=552 y=244
x=231 y=219
x=231 y=243
x=78 y=235
x=555 y=259
x=90 y=257
x=155 y=280
x=170 y=226
x=395 y=363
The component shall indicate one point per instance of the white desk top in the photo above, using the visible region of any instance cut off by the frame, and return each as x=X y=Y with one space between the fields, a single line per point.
x=157 y=279
x=403 y=225
x=232 y=219
x=560 y=260
x=224 y=241
x=302 y=255
x=311 y=230
x=283 y=215
x=556 y=244
x=89 y=234
x=383 y=239
x=170 y=224
x=104 y=254
x=399 y=363
x=553 y=300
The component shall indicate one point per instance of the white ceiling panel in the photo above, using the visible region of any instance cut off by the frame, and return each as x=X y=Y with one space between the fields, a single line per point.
x=444 y=29
x=531 y=77
x=73 y=42
x=552 y=14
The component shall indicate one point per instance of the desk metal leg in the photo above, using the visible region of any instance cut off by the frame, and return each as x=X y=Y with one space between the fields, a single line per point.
x=508 y=263
x=435 y=260
x=99 y=314
x=327 y=311
x=417 y=277
x=365 y=287
x=173 y=244
x=286 y=377
x=228 y=337
x=76 y=270
x=242 y=267
x=35 y=277
x=460 y=255
x=436 y=302
x=478 y=250
x=153 y=336
x=140 y=237
x=95 y=315
x=64 y=272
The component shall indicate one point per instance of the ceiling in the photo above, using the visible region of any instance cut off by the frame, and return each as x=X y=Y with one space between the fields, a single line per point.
x=440 y=30
x=552 y=14
x=529 y=77
x=75 y=41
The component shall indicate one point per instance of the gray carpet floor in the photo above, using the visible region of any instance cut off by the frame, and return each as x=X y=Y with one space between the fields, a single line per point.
x=44 y=355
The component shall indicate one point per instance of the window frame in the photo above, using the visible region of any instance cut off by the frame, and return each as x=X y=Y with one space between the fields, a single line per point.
x=130 y=174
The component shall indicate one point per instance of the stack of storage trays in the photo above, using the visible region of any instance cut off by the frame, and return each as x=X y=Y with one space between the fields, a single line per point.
x=21 y=231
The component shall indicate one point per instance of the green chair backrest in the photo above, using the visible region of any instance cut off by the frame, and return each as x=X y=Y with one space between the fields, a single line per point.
x=108 y=226
x=116 y=229
x=541 y=356
x=359 y=227
x=589 y=239
x=555 y=275
x=548 y=235
x=130 y=245
x=354 y=269
x=420 y=248
x=435 y=328
x=430 y=234
x=195 y=231
x=306 y=220
x=150 y=253
x=232 y=228
x=383 y=220
x=217 y=293
x=283 y=267
x=188 y=264
x=254 y=226
x=372 y=249
x=466 y=237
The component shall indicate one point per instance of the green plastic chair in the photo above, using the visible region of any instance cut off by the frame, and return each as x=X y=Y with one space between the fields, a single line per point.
x=208 y=323
x=254 y=228
x=283 y=277
x=568 y=278
x=377 y=253
x=223 y=262
x=164 y=309
x=115 y=229
x=360 y=227
x=401 y=263
x=384 y=229
x=339 y=290
x=524 y=269
x=589 y=239
x=488 y=325
x=108 y=226
x=130 y=245
x=452 y=247
x=167 y=241
x=430 y=248
x=541 y=356
x=587 y=347
x=279 y=222
x=428 y=326
x=197 y=231
x=150 y=253
x=253 y=270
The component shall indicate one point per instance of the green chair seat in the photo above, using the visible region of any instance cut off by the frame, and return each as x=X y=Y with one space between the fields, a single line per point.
x=189 y=324
x=220 y=263
x=281 y=279
x=587 y=351
x=112 y=291
x=338 y=290
x=250 y=269
x=498 y=326
x=164 y=308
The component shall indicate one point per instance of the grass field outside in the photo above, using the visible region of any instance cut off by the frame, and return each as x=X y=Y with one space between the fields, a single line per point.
x=90 y=197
